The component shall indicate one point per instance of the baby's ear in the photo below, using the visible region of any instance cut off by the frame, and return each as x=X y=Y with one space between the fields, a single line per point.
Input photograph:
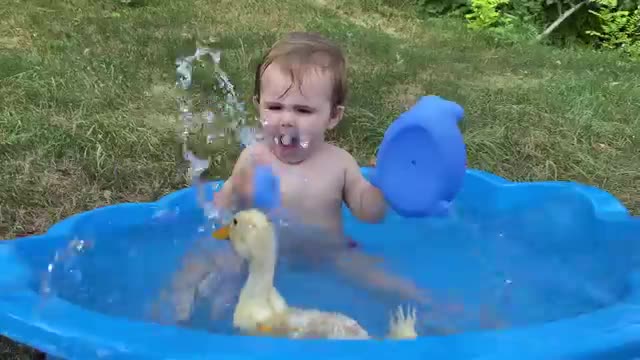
x=336 y=116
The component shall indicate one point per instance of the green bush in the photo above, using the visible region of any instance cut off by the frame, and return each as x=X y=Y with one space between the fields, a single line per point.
x=619 y=29
x=486 y=14
x=608 y=24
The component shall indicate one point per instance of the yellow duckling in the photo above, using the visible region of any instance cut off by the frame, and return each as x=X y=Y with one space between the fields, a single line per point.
x=261 y=308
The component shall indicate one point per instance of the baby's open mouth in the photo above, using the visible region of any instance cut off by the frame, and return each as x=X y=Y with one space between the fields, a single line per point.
x=287 y=140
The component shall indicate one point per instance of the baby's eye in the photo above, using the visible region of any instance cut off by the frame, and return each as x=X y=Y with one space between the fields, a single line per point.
x=274 y=107
x=235 y=221
x=305 y=111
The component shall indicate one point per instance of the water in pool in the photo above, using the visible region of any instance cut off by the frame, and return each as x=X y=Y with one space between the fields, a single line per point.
x=481 y=271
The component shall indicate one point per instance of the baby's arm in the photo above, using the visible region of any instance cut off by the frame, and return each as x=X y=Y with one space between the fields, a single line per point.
x=365 y=200
x=368 y=204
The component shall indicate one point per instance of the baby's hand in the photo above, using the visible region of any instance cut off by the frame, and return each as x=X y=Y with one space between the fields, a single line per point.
x=243 y=180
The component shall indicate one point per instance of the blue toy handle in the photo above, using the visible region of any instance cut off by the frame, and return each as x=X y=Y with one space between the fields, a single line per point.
x=421 y=161
x=266 y=194
x=266 y=188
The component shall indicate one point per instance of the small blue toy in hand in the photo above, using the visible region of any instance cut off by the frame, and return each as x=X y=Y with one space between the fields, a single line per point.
x=266 y=193
x=266 y=188
x=421 y=161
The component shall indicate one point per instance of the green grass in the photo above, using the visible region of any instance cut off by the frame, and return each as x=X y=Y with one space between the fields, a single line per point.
x=12 y=351
x=87 y=111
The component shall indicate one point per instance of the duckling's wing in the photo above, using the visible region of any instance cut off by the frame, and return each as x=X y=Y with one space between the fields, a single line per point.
x=319 y=324
x=277 y=303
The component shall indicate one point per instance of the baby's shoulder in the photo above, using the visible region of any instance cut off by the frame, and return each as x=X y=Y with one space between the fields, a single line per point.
x=338 y=154
x=256 y=152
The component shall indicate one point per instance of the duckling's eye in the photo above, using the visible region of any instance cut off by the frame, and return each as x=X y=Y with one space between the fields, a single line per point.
x=235 y=221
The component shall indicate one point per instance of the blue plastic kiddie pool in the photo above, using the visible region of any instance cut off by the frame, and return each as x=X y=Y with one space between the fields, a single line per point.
x=572 y=265
x=543 y=270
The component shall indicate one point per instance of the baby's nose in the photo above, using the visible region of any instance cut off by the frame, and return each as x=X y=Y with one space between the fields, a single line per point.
x=287 y=120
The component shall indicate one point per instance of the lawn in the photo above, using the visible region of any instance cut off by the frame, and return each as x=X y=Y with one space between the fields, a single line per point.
x=88 y=116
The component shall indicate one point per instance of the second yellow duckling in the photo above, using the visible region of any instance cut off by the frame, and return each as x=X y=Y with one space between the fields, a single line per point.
x=261 y=308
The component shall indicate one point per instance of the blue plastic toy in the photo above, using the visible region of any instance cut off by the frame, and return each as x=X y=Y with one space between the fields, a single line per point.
x=421 y=161
x=420 y=164
x=266 y=188
x=558 y=260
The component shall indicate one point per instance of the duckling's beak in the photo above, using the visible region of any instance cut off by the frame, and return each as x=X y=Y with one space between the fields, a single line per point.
x=222 y=233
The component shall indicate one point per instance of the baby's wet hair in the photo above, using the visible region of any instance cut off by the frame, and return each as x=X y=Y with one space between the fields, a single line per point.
x=299 y=52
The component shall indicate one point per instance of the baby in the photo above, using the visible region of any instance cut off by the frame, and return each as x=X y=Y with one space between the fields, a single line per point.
x=300 y=92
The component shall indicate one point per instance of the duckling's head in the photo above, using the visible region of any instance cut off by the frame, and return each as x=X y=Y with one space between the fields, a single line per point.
x=251 y=234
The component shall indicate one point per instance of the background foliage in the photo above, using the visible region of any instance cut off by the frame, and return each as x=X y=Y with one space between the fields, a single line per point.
x=604 y=24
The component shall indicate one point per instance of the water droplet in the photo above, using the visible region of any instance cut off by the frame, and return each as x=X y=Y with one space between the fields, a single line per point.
x=304 y=143
x=283 y=222
x=217 y=187
x=64 y=261
x=249 y=136
x=197 y=165
x=183 y=72
x=76 y=275
x=286 y=139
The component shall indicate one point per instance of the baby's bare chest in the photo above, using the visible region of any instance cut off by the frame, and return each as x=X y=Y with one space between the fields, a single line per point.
x=312 y=189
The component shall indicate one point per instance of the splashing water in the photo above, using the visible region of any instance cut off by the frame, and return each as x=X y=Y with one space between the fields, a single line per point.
x=249 y=136
x=304 y=142
x=64 y=261
x=211 y=113
x=211 y=116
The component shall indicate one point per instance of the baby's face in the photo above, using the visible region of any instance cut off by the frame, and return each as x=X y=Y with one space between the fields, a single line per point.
x=295 y=118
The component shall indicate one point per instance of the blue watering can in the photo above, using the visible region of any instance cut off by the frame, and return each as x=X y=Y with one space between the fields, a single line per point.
x=421 y=161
